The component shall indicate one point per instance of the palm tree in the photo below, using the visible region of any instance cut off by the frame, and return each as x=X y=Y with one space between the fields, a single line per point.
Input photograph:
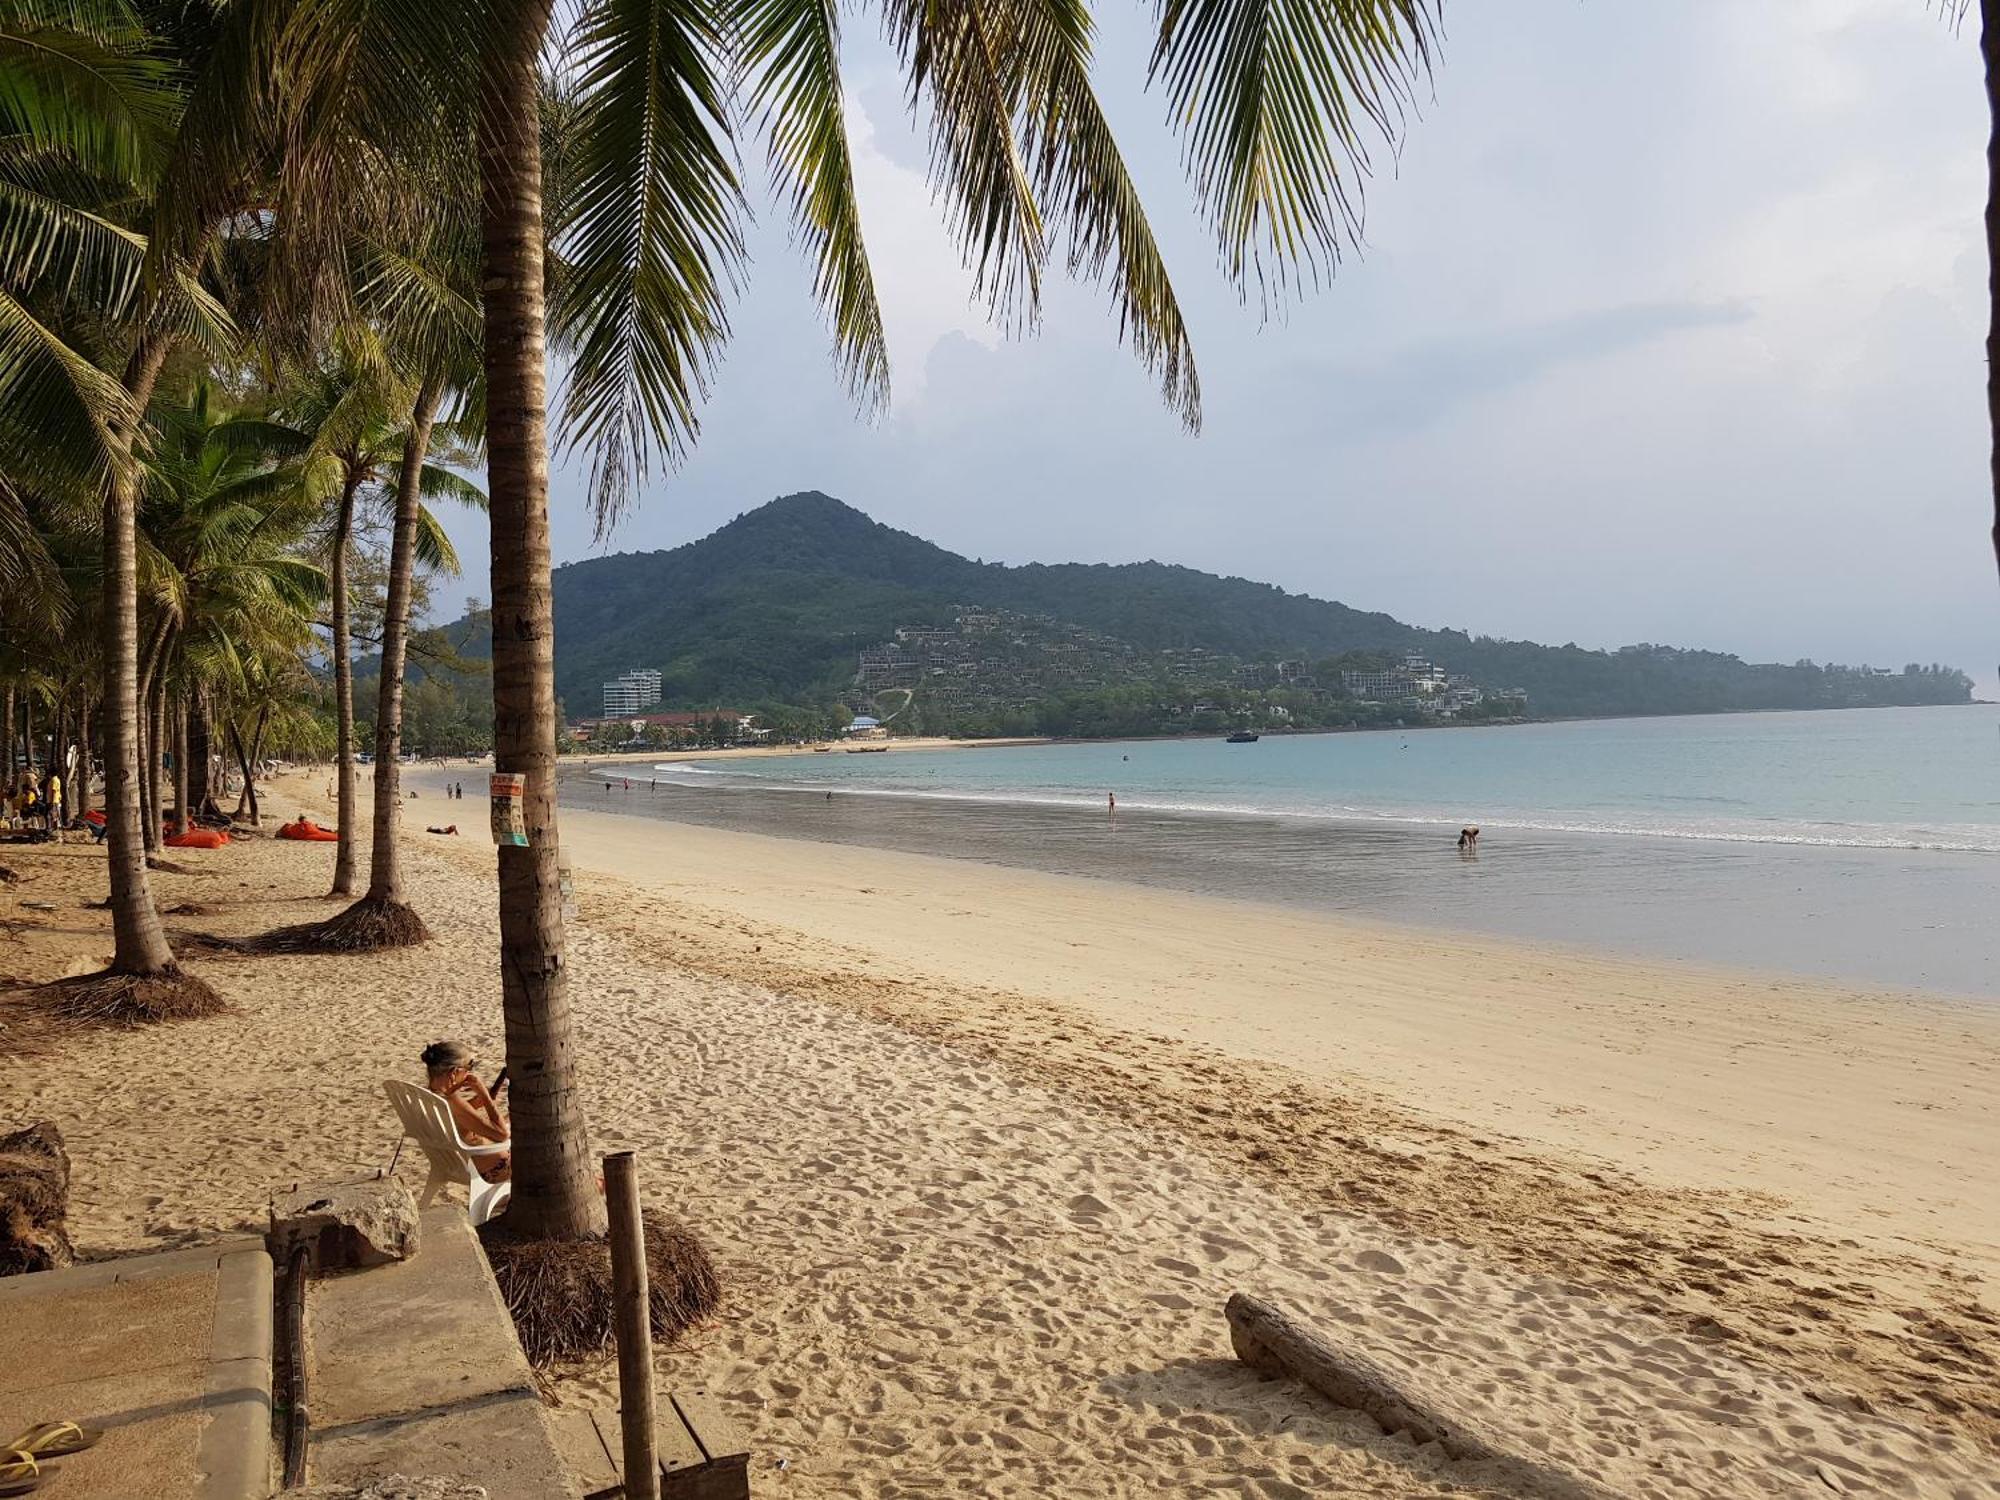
x=343 y=424
x=88 y=115
x=1989 y=52
x=1273 y=98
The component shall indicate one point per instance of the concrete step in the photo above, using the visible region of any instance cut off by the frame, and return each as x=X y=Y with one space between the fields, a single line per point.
x=170 y=1354
x=415 y=1369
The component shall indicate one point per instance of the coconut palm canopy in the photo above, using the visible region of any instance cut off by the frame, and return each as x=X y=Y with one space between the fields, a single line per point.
x=649 y=107
x=257 y=184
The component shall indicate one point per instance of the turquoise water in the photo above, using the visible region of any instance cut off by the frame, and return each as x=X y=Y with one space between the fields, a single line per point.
x=1924 y=778
x=1862 y=845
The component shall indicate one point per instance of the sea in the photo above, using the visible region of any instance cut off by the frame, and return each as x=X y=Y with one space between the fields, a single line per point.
x=1861 y=846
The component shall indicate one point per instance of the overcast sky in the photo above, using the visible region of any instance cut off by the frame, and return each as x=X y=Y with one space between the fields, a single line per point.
x=1668 y=328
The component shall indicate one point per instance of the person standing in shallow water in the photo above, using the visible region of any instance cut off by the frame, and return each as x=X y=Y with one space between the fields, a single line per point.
x=1468 y=840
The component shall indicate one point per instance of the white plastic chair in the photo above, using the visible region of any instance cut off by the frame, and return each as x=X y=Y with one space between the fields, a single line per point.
x=427 y=1120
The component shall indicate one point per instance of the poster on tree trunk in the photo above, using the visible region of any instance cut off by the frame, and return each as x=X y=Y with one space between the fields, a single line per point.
x=510 y=812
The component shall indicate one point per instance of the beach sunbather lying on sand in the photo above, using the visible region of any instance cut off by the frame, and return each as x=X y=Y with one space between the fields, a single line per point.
x=479 y=1121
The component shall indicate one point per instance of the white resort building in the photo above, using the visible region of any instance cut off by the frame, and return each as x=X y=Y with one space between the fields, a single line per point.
x=630 y=692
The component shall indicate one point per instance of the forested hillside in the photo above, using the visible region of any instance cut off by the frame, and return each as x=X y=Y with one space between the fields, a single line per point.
x=776 y=606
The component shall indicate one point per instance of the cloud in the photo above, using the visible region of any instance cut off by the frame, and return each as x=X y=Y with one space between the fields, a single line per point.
x=1422 y=384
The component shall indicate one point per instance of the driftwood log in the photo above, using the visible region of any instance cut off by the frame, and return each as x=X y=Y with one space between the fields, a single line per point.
x=1275 y=1344
x=34 y=1201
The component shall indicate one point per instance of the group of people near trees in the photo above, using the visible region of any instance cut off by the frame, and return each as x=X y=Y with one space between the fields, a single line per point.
x=37 y=802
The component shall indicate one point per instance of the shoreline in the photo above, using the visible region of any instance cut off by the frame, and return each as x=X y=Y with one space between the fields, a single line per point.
x=1856 y=914
x=981 y=1152
x=1265 y=983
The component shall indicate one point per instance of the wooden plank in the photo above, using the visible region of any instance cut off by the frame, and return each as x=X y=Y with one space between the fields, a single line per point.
x=720 y=1439
x=583 y=1453
x=680 y=1457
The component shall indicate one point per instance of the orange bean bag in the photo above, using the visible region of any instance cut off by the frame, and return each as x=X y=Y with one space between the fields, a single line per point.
x=307 y=829
x=198 y=838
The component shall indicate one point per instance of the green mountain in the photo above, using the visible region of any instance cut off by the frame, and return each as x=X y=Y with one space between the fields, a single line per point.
x=777 y=605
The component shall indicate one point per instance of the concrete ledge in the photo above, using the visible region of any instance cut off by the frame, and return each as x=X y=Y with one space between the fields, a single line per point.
x=98 y=1273
x=170 y=1354
x=234 y=1459
x=500 y=1442
x=416 y=1370
x=243 y=1307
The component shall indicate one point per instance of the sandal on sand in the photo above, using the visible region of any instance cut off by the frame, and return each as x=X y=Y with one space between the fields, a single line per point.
x=19 y=1473
x=54 y=1440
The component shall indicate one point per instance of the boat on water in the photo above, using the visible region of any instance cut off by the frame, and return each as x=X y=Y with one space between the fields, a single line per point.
x=822 y=749
x=1241 y=737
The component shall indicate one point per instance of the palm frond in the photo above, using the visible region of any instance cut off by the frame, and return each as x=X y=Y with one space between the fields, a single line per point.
x=77 y=78
x=435 y=482
x=1277 y=100
x=433 y=548
x=65 y=254
x=791 y=50
x=59 y=406
x=651 y=240
x=958 y=57
x=1083 y=183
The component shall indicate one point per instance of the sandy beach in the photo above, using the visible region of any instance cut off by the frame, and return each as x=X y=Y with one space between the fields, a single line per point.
x=981 y=1153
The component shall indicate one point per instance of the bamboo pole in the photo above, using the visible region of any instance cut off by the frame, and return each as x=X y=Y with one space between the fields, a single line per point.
x=632 y=1323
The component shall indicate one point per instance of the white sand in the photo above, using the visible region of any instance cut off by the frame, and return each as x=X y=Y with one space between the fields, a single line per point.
x=978 y=1234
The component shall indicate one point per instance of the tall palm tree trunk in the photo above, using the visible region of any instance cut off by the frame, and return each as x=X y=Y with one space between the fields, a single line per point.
x=385 y=874
x=1989 y=51
x=554 y=1190
x=80 y=796
x=156 y=755
x=7 y=738
x=343 y=686
x=202 y=777
x=182 y=812
x=140 y=943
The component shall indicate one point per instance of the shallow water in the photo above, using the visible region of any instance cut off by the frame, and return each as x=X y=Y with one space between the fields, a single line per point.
x=1862 y=846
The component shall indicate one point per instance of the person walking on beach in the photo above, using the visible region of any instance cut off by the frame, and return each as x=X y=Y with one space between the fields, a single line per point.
x=52 y=804
x=1111 y=803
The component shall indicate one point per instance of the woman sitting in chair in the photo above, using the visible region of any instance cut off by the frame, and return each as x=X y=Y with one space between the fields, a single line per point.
x=473 y=1111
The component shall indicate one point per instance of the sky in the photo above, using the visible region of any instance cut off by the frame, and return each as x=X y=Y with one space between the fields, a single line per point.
x=1667 y=327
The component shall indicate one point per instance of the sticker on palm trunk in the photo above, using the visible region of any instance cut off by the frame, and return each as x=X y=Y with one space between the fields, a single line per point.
x=510 y=808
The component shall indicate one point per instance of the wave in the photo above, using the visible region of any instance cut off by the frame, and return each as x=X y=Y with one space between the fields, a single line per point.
x=1963 y=839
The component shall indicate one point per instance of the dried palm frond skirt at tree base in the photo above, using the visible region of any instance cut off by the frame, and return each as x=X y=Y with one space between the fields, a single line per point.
x=109 y=999
x=368 y=926
x=559 y=1291
x=34 y=1201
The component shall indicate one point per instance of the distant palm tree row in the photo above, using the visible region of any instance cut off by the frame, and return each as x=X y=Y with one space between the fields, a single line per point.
x=369 y=221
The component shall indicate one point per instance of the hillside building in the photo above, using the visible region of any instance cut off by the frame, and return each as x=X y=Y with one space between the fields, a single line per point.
x=630 y=692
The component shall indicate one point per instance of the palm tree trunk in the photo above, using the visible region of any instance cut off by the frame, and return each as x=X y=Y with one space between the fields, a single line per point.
x=201 y=759
x=385 y=875
x=257 y=759
x=1989 y=51
x=140 y=945
x=80 y=795
x=7 y=735
x=28 y=732
x=181 y=808
x=343 y=686
x=156 y=751
x=554 y=1190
